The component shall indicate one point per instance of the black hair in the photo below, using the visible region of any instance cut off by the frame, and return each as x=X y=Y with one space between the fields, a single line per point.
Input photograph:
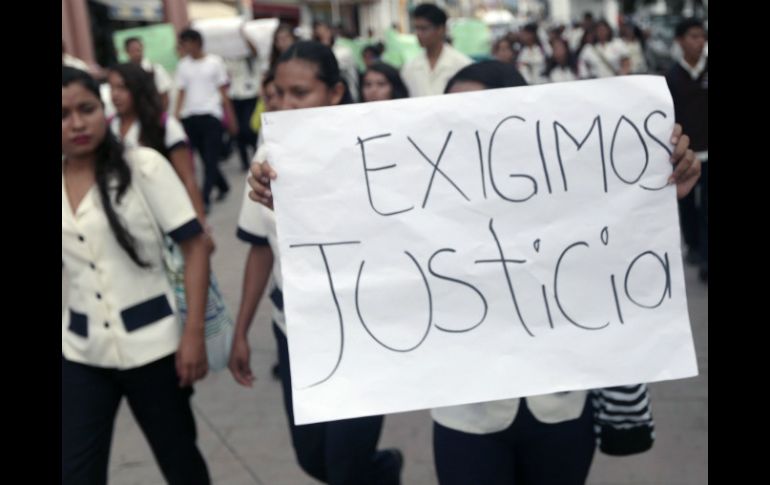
x=552 y=64
x=373 y=49
x=130 y=40
x=504 y=39
x=431 y=13
x=604 y=23
x=398 y=88
x=191 y=35
x=492 y=74
x=274 y=54
x=109 y=165
x=268 y=77
x=687 y=24
x=147 y=105
x=320 y=23
x=323 y=58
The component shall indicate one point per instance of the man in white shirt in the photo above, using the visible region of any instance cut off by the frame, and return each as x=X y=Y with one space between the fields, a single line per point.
x=202 y=104
x=135 y=50
x=428 y=73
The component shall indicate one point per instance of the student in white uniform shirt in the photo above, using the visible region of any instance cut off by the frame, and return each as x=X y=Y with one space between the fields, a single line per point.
x=120 y=334
x=537 y=440
x=141 y=121
x=244 y=89
x=560 y=66
x=428 y=73
x=163 y=83
x=532 y=56
x=605 y=56
x=632 y=38
x=340 y=452
x=202 y=104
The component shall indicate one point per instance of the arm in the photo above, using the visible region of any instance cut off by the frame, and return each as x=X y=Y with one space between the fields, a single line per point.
x=179 y=104
x=164 y=101
x=228 y=107
x=181 y=159
x=191 y=359
x=251 y=46
x=255 y=277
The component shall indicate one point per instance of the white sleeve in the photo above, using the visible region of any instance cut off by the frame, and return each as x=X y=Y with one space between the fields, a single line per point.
x=181 y=75
x=222 y=78
x=252 y=219
x=164 y=193
x=622 y=49
x=175 y=134
x=162 y=79
x=584 y=69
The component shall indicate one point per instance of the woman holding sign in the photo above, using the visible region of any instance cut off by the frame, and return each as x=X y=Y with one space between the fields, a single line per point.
x=538 y=439
x=337 y=452
x=547 y=439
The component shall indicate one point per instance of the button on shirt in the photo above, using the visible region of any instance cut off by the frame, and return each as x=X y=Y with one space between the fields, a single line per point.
x=117 y=314
x=421 y=80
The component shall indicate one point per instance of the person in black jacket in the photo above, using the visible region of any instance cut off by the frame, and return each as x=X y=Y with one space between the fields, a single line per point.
x=688 y=82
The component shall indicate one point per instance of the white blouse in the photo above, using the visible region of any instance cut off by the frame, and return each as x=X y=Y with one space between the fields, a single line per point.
x=117 y=314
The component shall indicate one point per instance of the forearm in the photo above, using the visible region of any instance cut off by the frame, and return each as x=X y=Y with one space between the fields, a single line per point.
x=181 y=159
x=196 y=282
x=259 y=263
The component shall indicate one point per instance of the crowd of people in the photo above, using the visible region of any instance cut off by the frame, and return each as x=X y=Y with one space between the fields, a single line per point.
x=127 y=174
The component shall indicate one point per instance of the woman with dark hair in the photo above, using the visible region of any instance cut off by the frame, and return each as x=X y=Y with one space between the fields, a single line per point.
x=504 y=51
x=531 y=58
x=633 y=39
x=560 y=66
x=605 y=56
x=382 y=82
x=335 y=452
x=140 y=121
x=283 y=38
x=325 y=34
x=485 y=75
x=120 y=334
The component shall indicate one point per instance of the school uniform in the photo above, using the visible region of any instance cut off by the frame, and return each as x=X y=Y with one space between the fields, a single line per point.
x=119 y=327
x=335 y=452
x=202 y=113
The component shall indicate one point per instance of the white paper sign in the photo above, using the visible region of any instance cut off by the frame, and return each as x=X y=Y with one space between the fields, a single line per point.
x=260 y=33
x=480 y=246
x=222 y=36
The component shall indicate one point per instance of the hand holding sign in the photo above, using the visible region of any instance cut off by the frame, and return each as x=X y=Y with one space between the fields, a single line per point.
x=260 y=175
